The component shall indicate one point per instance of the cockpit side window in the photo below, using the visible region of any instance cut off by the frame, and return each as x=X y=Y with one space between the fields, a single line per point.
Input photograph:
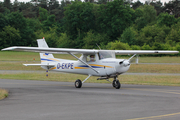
x=100 y=56
x=106 y=54
x=91 y=58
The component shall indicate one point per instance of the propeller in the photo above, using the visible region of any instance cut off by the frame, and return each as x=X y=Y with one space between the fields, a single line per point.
x=127 y=62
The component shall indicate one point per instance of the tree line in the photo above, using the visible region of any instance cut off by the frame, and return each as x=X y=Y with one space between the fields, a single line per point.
x=114 y=24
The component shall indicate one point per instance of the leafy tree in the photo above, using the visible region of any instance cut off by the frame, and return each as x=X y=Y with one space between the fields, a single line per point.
x=173 y=7
x=146 y=47
x=151 y=34
x=140 y=23
x=9 y=37
x=136 y=4
x=92 y=39
x=43 y=14
x=176 y=26
x=129 y=36
x=178 y=48
x=29 y=10
x=15 y=5
x=174 y=35
x=79 y=19
x=101 y=1
x=138 y=13
x=43 y=4
x=64 y=41
x=34 y=24
x=3 y=9
x=117 y=45
x=158 y=6
x=135 y=47
x=157 y=46
x=47 y=24
x=53 y=4
x=7 y=4
x=3 y=21
x=114 y=17
x=27 y=35
x=166 y=19
x=149 y=13
x=160 y=38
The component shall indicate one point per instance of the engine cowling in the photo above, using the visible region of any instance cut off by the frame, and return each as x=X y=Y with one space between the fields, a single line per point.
x=125 y=63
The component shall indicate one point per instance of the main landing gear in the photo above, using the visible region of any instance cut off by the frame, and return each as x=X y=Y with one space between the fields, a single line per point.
x=78 y=83
x=116 y=84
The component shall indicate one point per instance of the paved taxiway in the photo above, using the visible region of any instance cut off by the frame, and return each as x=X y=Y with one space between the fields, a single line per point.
x=44 y=100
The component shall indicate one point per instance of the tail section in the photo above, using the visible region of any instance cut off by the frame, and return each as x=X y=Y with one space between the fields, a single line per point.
x=45 y=57
x=42 y=44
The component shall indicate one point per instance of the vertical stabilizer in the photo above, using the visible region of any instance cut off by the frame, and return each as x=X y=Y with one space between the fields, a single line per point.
x=42 y=44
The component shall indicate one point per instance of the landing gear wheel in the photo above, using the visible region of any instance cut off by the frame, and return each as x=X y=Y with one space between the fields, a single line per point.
x=116 y=84
x=78 y=83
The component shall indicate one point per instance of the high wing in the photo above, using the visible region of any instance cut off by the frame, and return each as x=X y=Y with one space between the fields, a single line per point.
x=86 y=51
x=51 y=50
x=125 y=52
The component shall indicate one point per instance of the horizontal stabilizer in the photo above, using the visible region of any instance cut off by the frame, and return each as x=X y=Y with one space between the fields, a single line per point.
x=49 y=65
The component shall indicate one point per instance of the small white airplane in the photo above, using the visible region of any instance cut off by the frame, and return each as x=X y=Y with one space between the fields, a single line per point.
x=102 y=63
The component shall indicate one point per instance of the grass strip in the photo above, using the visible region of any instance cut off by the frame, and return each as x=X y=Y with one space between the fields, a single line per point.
x=154 y=68
x=140 y=68
x=164 y=80
x=30 y=56
x=3 y=94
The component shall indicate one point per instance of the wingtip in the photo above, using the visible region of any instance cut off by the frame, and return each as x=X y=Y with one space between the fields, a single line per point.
x=9 y=48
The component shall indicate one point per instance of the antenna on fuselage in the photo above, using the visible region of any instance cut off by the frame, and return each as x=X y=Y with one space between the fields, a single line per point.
x=98 y=46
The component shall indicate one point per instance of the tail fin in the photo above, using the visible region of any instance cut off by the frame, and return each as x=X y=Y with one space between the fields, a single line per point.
x=42 y=44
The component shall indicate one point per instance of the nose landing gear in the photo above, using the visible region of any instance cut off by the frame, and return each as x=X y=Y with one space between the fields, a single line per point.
x=116 y=84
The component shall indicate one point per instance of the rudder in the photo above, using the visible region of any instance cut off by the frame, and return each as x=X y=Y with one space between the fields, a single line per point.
x=42 y=44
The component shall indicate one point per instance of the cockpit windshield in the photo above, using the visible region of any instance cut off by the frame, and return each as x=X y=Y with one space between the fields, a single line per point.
x=106 y=54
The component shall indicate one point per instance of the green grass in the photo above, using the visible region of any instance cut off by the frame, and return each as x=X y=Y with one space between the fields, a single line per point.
x=29 y=56
x=3 y=94
x=164 y=80
x=154 y=68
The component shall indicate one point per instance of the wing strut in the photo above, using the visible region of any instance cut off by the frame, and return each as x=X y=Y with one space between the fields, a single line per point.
x=83 y=62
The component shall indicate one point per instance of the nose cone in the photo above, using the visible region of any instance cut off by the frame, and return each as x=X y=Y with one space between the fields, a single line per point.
x=125 y=63
x=123 y=66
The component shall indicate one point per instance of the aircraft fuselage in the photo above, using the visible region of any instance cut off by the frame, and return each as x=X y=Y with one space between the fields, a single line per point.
x=105 y=67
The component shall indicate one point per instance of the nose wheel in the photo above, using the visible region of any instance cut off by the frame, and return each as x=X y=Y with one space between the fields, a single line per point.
x=116 y=84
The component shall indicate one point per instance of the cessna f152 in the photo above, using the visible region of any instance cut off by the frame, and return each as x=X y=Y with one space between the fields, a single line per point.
x=101 y=63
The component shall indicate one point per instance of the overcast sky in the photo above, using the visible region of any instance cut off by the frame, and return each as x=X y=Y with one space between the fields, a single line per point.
x=60 y=0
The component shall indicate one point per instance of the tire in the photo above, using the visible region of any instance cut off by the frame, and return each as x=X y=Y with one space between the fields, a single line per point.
x=113 y=83
x=116 y=84
x=78 y=83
